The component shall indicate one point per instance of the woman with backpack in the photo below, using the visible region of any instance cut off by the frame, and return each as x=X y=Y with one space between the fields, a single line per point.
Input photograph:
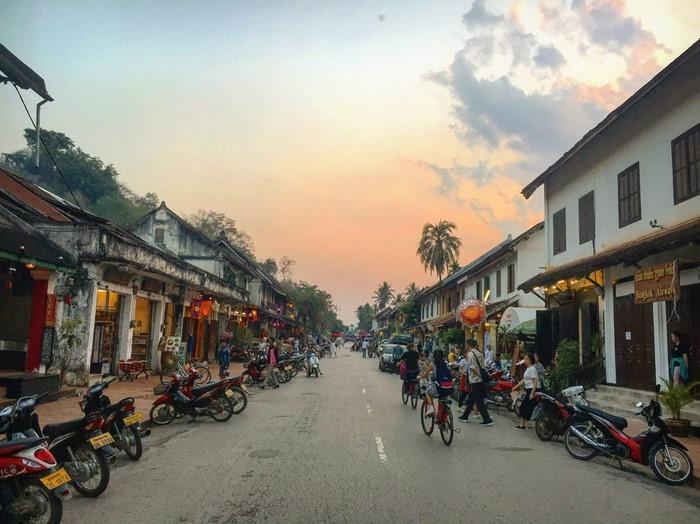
x=440 y=383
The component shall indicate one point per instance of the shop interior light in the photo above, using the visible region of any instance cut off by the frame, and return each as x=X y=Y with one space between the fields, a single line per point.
x=29 y=265
x=561 y=281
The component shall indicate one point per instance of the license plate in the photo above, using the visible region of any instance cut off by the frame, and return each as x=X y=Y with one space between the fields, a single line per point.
x=288 y=368
x=228 y=393
x=244 y=387
x=133 y=419
x=101 y=440
x=56 y=479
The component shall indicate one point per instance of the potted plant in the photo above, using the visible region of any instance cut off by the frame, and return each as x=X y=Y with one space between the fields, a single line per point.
x=674 y=398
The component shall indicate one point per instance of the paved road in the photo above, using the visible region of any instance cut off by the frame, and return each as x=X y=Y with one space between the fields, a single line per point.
x=342 y=448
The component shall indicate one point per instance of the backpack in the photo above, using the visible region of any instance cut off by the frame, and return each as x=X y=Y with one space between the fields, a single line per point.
x=443 y=377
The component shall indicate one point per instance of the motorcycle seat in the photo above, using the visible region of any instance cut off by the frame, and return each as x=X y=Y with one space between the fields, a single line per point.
x=619 y=422
x=53 y=430
x=199 y=390
x=9 y=447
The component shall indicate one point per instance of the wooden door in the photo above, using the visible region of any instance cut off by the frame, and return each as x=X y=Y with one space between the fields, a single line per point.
x=683 y=320
x=634 y=344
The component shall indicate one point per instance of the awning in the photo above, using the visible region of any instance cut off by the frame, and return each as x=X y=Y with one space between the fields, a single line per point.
x=628 y=253
x=497 y=307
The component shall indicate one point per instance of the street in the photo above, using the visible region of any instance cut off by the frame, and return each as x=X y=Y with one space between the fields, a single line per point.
x=343 y=448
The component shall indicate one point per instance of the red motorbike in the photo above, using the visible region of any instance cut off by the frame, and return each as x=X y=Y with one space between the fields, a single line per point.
x=499 y=389
x=594 y=432
x=32 y=485
x=552 y=416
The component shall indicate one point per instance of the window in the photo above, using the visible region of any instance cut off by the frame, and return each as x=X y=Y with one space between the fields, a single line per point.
x=586 y=218
x=511 y=278
x=160 y=236
x=685 y=154
x=559 y=232
x=487 y=284
x=498 y=283
x=478 y=289
x=629 y=203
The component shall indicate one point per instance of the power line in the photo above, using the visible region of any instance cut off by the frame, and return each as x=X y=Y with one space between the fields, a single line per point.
x=48 y=151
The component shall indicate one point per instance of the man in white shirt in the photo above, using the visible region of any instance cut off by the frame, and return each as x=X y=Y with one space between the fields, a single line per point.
x=477 y=388
x=365 y=347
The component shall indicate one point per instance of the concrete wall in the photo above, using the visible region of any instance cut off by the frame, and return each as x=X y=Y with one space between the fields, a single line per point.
x=650 y=145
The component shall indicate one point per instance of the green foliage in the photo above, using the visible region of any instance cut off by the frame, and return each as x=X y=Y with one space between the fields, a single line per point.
x=314 y=306
x=675 y=397
x=383 y=295
x=95 y=184
x=438 y=248
x=269 y=266
x=364 y=316
x=69 y=340
x=452 y=336
x=213 y=223
x=567 y=364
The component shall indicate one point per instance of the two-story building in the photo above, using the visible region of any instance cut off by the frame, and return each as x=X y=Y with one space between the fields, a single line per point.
x=622 y=227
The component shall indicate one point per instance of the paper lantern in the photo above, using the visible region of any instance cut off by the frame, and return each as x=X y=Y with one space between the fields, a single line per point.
x=471 y=312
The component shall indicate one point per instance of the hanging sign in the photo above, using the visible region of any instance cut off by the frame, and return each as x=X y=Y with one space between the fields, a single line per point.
x=657 y=283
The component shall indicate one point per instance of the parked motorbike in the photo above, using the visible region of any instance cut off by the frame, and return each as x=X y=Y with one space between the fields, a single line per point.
x=595 y=432
x=32 y=484
x=79 y=445
x=576 y=395
x=551 y=415
x=312 y=364
x=120 y=419
x=181 y=397
x=499 y=390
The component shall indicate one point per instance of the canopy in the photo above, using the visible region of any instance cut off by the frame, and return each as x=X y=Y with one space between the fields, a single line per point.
x=529 y=327
x=515 y=316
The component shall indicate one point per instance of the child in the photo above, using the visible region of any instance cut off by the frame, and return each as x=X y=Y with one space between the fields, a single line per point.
x=224 y=356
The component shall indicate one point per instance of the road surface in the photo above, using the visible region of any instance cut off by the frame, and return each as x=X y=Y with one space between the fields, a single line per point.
x=343 y=448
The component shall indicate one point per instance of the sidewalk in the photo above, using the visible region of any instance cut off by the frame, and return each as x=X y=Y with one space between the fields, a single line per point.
x=141 y=389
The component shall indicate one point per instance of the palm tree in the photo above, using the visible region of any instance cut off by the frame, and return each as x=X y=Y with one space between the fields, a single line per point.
x=438 y=248
x=399 y=298
x=454 y=267
x=412 y=290
x=383 y=295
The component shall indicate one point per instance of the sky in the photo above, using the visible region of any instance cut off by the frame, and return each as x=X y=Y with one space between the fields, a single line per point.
x=332 y=131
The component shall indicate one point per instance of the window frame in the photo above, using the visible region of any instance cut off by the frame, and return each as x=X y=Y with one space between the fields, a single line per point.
x=559 y=242
x=498 y=283
x=586 y=225
x=511 y=278
x=675 y=172
x=624 y=177
x=157 y=230
x=479 y=289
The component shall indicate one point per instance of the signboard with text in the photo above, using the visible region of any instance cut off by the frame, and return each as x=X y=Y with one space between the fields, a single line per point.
x=657 y=283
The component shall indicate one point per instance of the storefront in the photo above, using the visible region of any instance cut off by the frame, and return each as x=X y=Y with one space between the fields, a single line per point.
x=104 y=343
x=144 y=330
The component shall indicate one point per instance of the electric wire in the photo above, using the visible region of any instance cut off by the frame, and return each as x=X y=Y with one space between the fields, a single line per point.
x=48 y=151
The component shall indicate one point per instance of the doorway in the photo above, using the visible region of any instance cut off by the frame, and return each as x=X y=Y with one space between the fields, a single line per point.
x=634 y=344
x=104 y=343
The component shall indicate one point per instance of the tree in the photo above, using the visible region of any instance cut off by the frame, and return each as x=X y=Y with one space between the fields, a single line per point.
x=412 y=290
x=212 y=223
x=398 y=299
x=286 y=267
x=438 y=248
x=269 y=266
x=364 y=315
x=96 y=185
x=383 y=295
x=454 y=267
x=314 y=306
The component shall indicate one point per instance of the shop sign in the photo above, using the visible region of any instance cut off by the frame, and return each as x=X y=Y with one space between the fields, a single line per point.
x=50 y=317
x=152 y=286
x=117 y=276
x=657 y=283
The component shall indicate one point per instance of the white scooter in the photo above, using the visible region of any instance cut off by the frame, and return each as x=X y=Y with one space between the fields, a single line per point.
x=312 y=364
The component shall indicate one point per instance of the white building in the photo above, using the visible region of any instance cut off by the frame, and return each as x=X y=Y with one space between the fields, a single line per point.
x=624 y=198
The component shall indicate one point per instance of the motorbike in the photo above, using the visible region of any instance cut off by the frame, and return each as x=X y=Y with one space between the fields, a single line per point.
x=32 y=484
x=182 y=397
x=79 y=445
x=499 y=389
x=552 y=416
x=595 y=432
x=576 y=395
x=119 y=420
x=255 y=373
x=312 y=364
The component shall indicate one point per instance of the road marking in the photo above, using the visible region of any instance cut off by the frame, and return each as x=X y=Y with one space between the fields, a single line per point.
x=380 y=450
x=369 y=409
x=364 y=391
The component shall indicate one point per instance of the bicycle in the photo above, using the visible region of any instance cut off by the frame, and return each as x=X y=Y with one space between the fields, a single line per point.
x=203 y=371
x=409 y=390
x=443 y=419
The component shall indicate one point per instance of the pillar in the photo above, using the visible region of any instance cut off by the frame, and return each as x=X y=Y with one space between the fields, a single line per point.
x=156 y=334
x=660 y=341
x=126 y=332
x=609 y=329
x=36 y=325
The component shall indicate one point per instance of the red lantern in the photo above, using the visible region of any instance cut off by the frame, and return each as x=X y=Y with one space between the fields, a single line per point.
x=471 y=312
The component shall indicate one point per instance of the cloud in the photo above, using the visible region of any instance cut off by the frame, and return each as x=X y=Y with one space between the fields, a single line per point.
x=606 y=24
x=450 y=177
x=549 y=56
x=478 y=16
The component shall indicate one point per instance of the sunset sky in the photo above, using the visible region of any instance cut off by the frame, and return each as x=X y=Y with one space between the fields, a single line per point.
x=332 y=131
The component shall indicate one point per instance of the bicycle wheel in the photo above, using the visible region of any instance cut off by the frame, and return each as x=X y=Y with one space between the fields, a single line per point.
x=404 y=393
x=204 y=375
x=447 y=428
x=414 y=396
x=427 y=421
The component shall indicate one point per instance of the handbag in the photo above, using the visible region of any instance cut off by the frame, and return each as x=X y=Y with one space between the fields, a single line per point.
x=484 y=374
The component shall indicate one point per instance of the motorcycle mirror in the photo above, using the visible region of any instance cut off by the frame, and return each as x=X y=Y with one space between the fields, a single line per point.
x=639 y=404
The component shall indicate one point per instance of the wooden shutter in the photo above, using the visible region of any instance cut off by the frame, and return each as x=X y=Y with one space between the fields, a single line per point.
x=511 y=278
x=498 y=283
x=685 y=156
x=586 y=218
x=559 y=231
x=629 y=196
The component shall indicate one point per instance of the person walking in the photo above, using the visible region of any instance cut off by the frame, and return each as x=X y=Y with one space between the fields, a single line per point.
x=272 y=358
x=530 y=382
x=477 y=393
x=678 y=367
x=463 y=366
x=223 y=355
x=334 y=349
x=365 y=347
